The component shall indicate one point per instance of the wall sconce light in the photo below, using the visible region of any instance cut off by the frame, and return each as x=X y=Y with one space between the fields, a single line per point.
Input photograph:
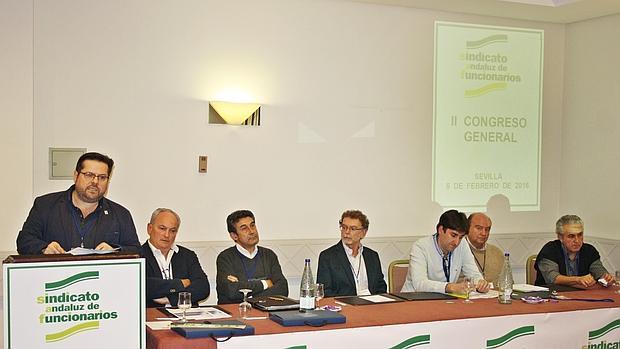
x=234 y=113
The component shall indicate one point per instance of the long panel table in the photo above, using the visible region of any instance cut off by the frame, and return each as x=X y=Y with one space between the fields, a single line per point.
x=435 y=324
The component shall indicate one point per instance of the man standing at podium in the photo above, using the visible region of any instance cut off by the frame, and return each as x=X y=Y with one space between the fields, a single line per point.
x=170 y=268
x=80 y=216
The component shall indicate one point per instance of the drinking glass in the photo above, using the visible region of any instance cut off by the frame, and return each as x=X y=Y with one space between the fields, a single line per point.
x=469 y=286
x=245 y=306
x=319 y=294
x=185 y=302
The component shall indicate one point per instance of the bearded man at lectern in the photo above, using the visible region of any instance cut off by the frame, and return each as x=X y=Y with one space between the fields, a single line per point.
x=80 y=216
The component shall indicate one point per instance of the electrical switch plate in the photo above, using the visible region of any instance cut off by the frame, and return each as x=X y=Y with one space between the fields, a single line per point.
x=202 y=164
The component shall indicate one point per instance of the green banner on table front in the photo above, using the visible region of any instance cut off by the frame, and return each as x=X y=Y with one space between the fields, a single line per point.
x=487 y=115
x=74 y=304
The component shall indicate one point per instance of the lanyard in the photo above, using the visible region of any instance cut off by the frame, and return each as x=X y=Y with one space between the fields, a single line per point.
x=356 y=275
x=570 y=271
x=249 y=270
x=78 y=222
x=446 y=260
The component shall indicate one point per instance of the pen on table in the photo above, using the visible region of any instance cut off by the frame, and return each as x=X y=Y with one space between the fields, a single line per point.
x=276 y=298
x=340 y=303
x=255 y=318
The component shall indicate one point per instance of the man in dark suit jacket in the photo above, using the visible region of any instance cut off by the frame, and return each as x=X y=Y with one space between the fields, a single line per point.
x=170 y=268
x=348 y=268
x=81 y=216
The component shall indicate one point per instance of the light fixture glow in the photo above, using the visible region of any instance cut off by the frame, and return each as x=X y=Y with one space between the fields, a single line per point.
x=234 y=113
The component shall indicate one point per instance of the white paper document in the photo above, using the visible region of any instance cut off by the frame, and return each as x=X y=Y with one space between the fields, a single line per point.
x=478 y=295
x=377 y=298
x=81 y=251
x=202 y=313
x=158 y=325
x=528 y=288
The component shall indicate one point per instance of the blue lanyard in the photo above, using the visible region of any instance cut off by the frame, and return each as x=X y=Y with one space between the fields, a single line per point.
x=446 y=260
x=81 y=228
x=250 y=270
x=569 y=270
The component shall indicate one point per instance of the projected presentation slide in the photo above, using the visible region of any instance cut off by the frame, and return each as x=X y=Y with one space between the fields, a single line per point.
x=487 y=116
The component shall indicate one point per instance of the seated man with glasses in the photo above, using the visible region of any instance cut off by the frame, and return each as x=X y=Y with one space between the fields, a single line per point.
x=568 y=260
x=170 y=268
x=348 y=268
x=80 y=216
x=437 y=261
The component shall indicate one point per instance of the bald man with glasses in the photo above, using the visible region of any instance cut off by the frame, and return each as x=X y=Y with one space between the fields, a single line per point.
x=80 y=216
x=348 y=268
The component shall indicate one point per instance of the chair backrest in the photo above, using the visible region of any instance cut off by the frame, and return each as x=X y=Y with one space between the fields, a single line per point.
x=530 y=271
x=397 y=274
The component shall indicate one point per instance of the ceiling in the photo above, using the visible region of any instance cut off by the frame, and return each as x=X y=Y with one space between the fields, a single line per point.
x=553 y=11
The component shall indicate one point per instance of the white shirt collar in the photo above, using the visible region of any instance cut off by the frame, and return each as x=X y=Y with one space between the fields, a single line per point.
x=349 y=251
x=245 y=252
x=164 y=261
x=174 y=248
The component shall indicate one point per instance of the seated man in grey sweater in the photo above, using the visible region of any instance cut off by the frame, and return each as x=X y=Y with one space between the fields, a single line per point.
x=568 y=260
x=247 y=265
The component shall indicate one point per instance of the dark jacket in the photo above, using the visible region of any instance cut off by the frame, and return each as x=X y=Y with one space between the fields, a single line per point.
x=185 y=265
x=337 y=277
x=553 y=252
x=51 y=219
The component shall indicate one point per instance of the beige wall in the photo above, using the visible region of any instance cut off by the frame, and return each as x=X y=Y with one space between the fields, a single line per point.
x=590 y=128
x=132 y=79
x=16 y=117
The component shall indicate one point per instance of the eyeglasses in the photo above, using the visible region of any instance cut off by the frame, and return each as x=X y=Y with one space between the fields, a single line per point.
x=90 y=176
x=351 y=229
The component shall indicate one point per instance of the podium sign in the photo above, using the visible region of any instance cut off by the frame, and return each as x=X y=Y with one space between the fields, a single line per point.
x=74 y=304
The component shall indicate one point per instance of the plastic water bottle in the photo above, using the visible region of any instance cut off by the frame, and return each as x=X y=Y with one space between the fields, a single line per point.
x=306 y=289
x=505 y=281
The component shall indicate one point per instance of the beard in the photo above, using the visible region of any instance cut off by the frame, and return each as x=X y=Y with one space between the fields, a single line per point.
x=91 y=194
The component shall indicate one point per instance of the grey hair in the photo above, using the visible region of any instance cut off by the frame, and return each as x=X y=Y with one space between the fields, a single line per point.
x=567 y=219
x=162 y=210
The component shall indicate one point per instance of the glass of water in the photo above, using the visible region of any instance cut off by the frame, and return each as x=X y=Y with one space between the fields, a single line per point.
x=319 y=294
x=245 y=306
x=469 y=286
x=185 y=302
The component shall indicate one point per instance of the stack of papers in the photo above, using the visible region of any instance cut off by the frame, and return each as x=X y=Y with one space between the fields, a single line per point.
x=528 y=288
x=81 y=251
